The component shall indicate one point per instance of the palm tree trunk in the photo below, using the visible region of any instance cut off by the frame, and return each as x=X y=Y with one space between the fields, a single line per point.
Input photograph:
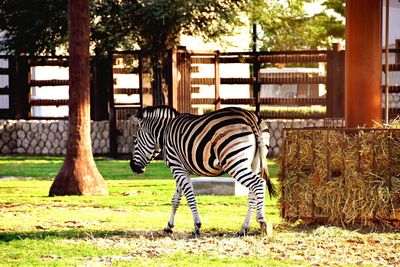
x=79 y=174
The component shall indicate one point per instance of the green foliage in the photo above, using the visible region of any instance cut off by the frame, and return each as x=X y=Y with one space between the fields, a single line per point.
x=276 y=111
x=286 y=111
x=110 y=26
x=161 y=22
x=337 y=6
x=287 y=25
x=38 y=26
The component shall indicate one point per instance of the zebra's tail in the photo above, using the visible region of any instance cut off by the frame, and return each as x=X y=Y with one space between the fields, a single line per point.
x=262 y=153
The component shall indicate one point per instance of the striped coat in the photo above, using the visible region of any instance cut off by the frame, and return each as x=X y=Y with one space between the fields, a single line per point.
x=229 y=140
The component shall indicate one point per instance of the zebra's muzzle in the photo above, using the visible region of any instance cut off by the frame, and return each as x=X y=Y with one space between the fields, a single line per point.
x=135 y=168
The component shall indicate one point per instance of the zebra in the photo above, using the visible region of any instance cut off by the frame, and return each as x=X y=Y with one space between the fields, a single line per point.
x=230 y=140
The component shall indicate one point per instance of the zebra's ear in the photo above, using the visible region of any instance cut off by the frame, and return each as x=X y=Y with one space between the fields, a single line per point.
x=135 y=119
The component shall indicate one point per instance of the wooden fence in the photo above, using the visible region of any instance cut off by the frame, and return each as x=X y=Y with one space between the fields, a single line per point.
x=191 y=81
x=18 y=87
x=331 y=76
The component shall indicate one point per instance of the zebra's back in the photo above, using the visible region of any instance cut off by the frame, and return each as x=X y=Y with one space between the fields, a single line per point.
x=209 y=144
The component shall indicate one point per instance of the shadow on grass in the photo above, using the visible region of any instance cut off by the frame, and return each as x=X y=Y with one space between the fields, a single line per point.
x=116 y=234
x=85 y=234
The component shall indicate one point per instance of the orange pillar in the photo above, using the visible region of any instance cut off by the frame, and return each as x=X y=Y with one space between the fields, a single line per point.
x=363 y=92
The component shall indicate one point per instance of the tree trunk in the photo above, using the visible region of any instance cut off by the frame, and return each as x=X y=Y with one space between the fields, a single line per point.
x=79 y=174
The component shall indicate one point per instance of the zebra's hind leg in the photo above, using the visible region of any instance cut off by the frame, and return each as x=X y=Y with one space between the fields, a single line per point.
x=258 y=188
x=246 y=225
x=176 y=201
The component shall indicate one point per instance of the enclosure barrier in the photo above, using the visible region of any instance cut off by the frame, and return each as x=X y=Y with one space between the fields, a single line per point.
x=123 y=82
x=49 y=137
x=330 y=76
x=341 y=176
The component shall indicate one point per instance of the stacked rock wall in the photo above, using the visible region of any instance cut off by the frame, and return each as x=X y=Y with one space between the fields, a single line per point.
x=46 y=137
x=125 y=137
x=276 y=130
x=49 y=137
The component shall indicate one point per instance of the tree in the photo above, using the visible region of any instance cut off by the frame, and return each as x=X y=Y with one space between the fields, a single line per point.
x=79 y=174
x=153 y=25
x=159 y=23
x=33 y=27
x=288 y=26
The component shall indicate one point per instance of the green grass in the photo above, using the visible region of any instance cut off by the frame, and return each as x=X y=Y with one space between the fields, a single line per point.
x=35 y=228
x=125 y=228
x=48 y=167
x=289 y=111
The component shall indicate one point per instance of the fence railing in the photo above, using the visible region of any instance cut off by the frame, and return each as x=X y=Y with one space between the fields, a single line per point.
x=255 y=79
x=279 y=84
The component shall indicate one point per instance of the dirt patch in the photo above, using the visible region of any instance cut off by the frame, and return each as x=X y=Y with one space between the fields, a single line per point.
x=11 y=178
x=318 y=246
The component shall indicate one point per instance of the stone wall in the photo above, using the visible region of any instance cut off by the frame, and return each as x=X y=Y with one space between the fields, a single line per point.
x=276 y=130
x=46 y=137
x=49 y=137
x=125 y=137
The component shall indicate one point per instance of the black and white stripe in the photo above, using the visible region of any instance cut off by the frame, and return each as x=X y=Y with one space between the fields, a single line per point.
x=230 y=140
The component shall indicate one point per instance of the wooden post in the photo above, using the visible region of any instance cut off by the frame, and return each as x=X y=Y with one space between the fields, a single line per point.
x=12 y=86
x=140 y=55
x=172 y=78
x=22 y=89
x=397 y=58
x=101 y=68
x=256 y=72
x=387 y=62
x=256 y=82
x=363 y=106
x=158 y=98
x=217 y=81
x=335 y=82
x=112 y=116
x=184 y=97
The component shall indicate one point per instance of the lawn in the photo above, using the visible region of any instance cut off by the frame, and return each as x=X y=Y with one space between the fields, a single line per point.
x=125 y=228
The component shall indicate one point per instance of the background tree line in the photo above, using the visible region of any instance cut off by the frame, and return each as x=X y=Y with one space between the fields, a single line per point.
x=41 y=26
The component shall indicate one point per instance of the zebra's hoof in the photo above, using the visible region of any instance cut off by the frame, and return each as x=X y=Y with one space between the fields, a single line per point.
x=266 y=228
x=242 y=232
x=168 y=231
x=196 y=234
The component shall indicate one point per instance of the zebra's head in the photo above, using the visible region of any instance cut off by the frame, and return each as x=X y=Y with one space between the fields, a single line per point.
x=145 y=149
x=149 y=139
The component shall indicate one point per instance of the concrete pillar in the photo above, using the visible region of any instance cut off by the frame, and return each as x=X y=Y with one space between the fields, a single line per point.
x=363 y=93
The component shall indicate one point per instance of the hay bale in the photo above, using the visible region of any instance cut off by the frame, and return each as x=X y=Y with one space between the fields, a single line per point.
x=341 y=177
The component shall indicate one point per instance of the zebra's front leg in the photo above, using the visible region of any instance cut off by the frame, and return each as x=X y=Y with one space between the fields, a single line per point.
x=183 y=181
x=251 y=206
x=176 y=201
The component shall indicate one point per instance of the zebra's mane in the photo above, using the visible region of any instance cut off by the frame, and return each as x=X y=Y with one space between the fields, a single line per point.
x=161 y=111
